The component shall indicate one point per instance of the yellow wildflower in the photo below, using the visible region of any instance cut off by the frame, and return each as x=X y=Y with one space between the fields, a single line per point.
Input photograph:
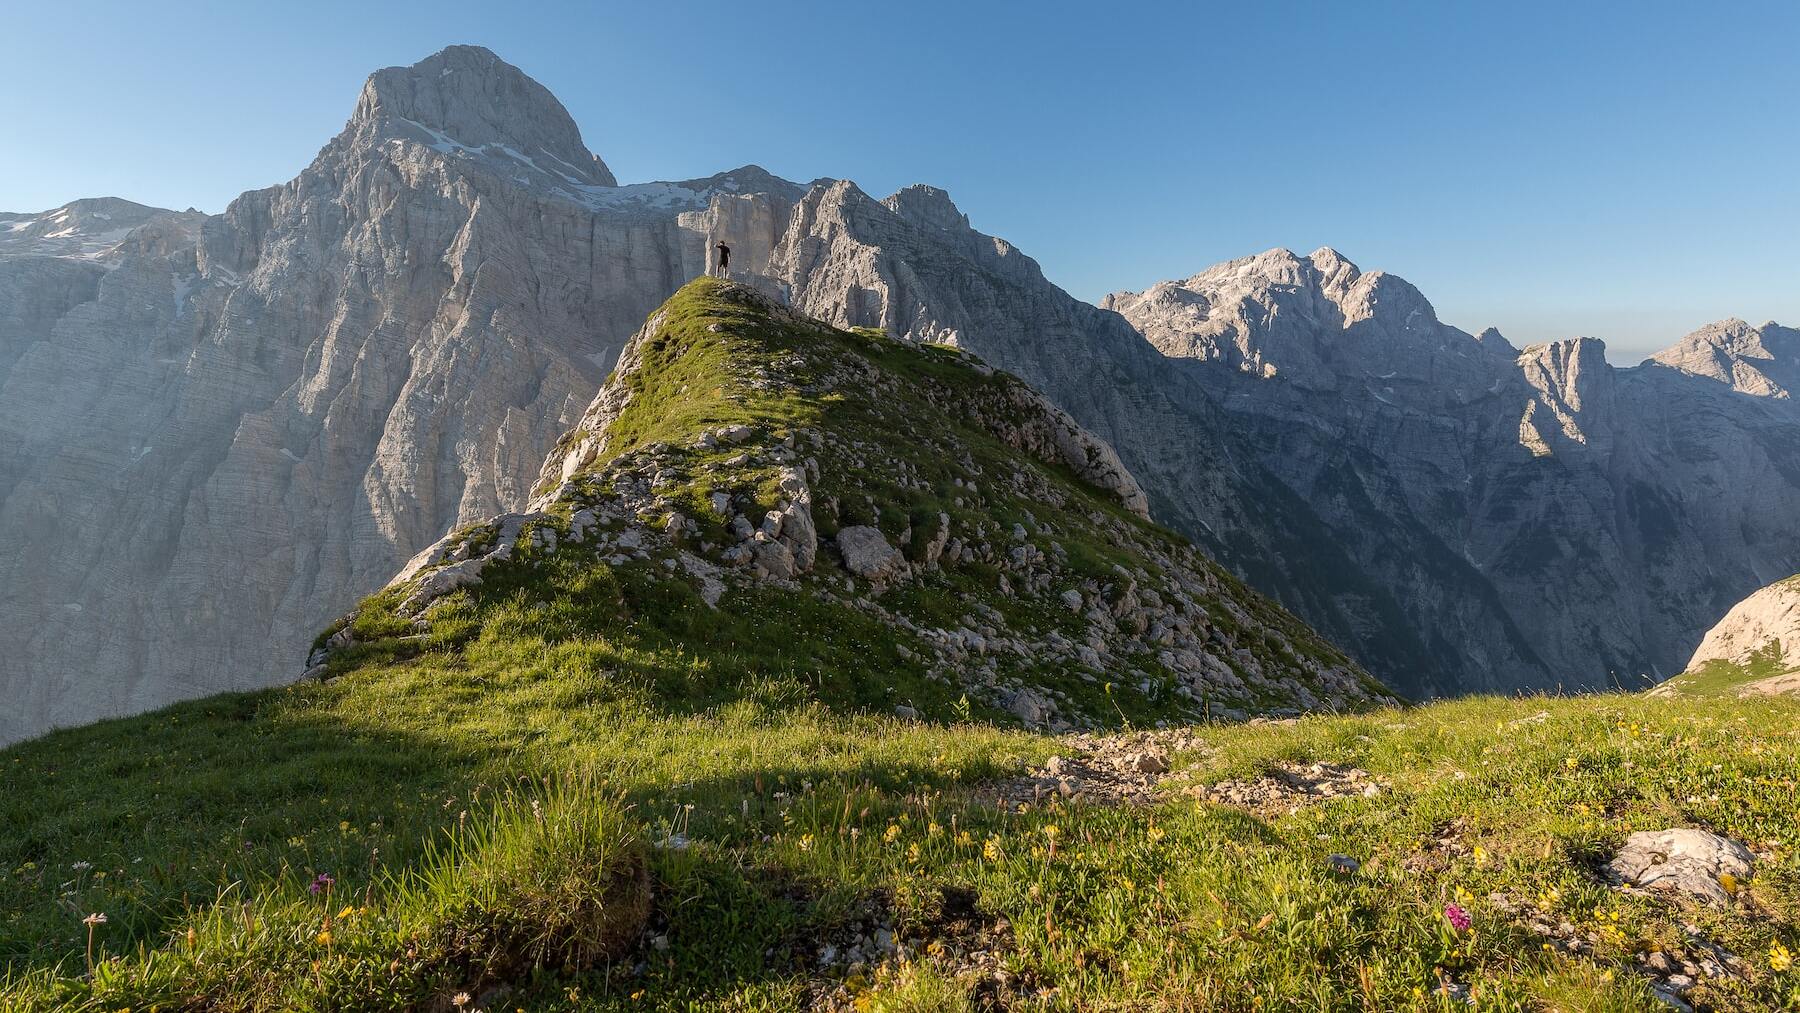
x=892 y=834
x=1780 y=957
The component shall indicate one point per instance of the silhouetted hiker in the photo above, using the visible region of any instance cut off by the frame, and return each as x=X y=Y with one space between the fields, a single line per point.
x=724 y=261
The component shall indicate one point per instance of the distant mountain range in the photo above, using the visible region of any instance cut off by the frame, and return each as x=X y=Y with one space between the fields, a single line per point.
x=218 y=432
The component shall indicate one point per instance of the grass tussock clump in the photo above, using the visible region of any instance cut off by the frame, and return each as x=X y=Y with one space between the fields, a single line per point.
x=560 y=884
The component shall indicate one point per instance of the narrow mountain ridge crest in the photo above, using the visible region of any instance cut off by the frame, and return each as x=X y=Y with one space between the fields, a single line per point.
x=746 y=461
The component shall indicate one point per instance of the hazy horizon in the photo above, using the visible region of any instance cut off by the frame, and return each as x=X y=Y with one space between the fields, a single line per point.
x=1546 y=172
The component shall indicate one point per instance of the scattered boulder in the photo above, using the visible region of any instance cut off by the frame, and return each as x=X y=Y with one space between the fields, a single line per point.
x=775 y=559
x=1030 y=706
x=867 y=553
x=440 y=582
x=1693 y=863
x=1149 y=761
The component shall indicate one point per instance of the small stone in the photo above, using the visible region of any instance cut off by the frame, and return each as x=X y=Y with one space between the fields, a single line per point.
x=1147 y=762
x=908 y=713
x=1344 y=864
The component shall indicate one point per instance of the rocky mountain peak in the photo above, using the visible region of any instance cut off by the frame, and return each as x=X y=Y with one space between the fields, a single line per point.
x=1490 y=338
x=1760 y=361
x=1575 y=388
x=928 y=206
x=88 y=229
x=1319 y=321
x=1568 y=363
x=465 y=98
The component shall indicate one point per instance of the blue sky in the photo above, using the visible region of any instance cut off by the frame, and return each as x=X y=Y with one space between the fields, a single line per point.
x=1626 y=171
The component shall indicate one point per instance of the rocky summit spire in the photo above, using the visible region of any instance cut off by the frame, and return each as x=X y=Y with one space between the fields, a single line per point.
x=465 y=98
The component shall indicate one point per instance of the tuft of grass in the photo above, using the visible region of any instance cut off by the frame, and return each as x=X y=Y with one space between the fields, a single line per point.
x=550 y=880
x=558 y=882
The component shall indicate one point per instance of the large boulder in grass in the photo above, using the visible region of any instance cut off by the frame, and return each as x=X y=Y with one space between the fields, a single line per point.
x=867 y=553
x=1693 y=863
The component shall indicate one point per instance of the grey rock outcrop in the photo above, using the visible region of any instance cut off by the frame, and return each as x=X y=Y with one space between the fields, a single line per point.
x=1694 y=864
x=1771 y=616
x=867 y=553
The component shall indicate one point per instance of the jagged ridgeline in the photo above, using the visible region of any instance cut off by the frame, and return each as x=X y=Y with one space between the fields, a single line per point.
x=896 y=525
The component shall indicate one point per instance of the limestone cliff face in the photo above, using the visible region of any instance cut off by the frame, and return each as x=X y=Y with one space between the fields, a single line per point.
x=216 y=433
x=1770 y=616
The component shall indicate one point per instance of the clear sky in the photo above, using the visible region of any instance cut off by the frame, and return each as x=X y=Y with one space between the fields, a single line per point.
x=1627 y=171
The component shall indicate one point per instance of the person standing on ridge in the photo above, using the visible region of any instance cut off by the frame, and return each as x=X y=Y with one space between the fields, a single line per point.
x=724 y=261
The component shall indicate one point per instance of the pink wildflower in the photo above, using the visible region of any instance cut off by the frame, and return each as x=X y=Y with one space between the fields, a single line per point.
x=1459 y=919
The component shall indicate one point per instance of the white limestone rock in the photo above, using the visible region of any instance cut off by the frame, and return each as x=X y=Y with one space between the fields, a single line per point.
x=1685 y=861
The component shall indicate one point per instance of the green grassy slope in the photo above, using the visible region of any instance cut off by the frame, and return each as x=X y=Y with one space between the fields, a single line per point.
x=576 y=785
x=1720 y=677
